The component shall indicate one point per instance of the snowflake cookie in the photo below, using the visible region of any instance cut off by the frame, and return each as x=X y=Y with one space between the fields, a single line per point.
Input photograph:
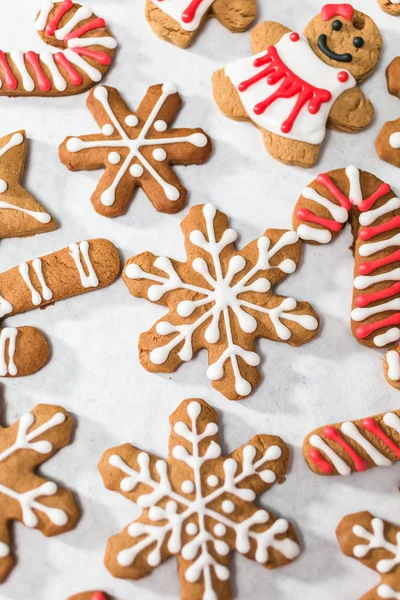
x=198 y=505
x=376 y=544
x=24 y=495
x=136 y=149
x=220 y=299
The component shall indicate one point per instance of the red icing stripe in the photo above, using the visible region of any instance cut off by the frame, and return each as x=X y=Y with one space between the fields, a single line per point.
x=11 y=81
x=369 y=232
x=189 y=14
x=95 y=24
x=321 y=463
x=359 y=463
x=366 y=204
x=43 y=83
x=306 y=215
x=368 y=267
x=365 y=299
x=65 y=6
x=372 y=426
x=364 y=330
x=98 y=596
x=327 y=182
x=73 y=75
x=101 y=57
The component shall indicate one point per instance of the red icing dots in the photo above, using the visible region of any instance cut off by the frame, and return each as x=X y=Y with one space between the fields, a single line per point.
x=294 y=36
x=343 y=76
x=337 y=10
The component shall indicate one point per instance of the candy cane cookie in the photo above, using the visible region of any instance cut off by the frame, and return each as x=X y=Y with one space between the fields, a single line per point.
x=351 y=446
x=84 y=51
x=323 y=208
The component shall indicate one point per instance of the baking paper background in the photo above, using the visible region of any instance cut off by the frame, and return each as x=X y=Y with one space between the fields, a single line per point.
x=94 y=370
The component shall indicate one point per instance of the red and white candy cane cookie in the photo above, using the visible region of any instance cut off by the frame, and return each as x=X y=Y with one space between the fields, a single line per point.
x=323 y=208
x=85 y=49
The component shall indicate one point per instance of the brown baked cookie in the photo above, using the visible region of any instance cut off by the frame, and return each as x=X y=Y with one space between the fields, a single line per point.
x=351 y=446
x=393 y=77
x=136 y=149
x=198 y=505
x=26 y=496
x=20 y=214
x=390 y=6
x=23 y=351
x=297 y=85
x=376 y=544
x=220 y=299
x=90 y=596
x=387 y=143
x=85 y=51
x=391 y=366
x=178 y=21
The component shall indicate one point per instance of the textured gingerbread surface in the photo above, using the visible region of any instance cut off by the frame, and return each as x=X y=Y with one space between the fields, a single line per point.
x=387 y=143
x=90 y=596
x=198 y=505
x=390 y=7
x=393 y=76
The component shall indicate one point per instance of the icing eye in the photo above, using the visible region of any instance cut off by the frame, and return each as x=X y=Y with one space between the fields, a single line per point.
x=337 y=25
x=358 y=42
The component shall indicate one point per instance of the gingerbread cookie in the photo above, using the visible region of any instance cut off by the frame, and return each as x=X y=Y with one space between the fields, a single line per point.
x=373 y=209
x=391 y=366
x=198 y=505
x=387 y=143
x=376 y=544
x=390 y=6
x=351 y=446
x=37 y=283
x=297 y=85
x=393 y=77
x=178 y=21
x=220 y=299
x=85 y=51
x=20 y=214
x=136 y=149
x=24 y=495
x=90 y=596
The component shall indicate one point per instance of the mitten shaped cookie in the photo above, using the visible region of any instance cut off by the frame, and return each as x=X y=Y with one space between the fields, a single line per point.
x=297 y=85
x=85 y=51
x=178 y=21
x=376 y=544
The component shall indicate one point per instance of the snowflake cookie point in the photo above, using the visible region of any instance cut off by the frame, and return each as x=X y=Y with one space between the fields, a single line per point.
x=199 y=506
x=220 y=299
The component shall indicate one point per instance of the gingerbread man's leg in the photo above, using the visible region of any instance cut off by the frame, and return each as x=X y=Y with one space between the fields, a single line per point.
x=352 y=112
x=235 y=15
x=167 y=28
x=290 y=152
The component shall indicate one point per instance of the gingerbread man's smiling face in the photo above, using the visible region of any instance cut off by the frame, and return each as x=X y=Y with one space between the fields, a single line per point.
x=345 y=38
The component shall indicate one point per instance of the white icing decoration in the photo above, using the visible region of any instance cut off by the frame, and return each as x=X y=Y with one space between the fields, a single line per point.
x=3 y=186
x=136 y=170
x=303 y=62
x=355 y=193
x=359 y=314
x=5 y=307
x=131 y=120
x=322 y=236
x=176 y=8
x=352 y=432
x=18 y=59
x=106 y=42
x=376 y=539
x=187 y=486
x=93 y=73
x=392 y=335
x=393 y=421
x=8 y=367
x=394 y=139
x=212 y=480
x=159 y=154
x=338 y=213
x=28 y=500
x=41 y=217
x=114 y=158
x=368 y=217
x=220 y=296
x=372 y=247
x=46 y=293
x=58 y=80
x=160 y=125
x=4 y=550
x=44 y=13
x=90 y=279
x=228 y=506
x=384 y=590
x=81 y=14
x=107 y=129
x=166 y=524
x=134 y=145
x=363 y=281
x=342 y=468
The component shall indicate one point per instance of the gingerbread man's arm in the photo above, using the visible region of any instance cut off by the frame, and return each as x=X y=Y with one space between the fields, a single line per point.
x=267 y=34
x=351 y=112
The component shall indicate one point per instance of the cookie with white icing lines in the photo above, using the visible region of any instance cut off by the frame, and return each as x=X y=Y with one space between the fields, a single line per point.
x=375 y=543
x=198 y=505
x=178 y=21
x=387 y=143
x=26 y=496
x=84 y=51
x=220 y=299
x=136 y=149
x=297 y=84
x=354 y=446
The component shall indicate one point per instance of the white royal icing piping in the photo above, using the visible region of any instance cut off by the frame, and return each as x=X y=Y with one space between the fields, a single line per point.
x=46 y=293
x=106 y=42
x=384 y=590
x=44 y=13
x=394 y=139
x=376 y=539
x=323 y=236
x=58 y=80
x=392 y=335
x=41 y=217
x=8 y=367
x=352 y=432
x=368 y=217
x=392 y=420
x=18 y=59
x=342 y=468
x=393 y=362
x=90 y=279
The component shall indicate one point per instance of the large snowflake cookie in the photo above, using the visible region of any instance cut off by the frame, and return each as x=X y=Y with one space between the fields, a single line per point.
x=198 y=505
x=85 y=49
x=297 y=85
x=220 y=299
x=373 y=209
x=178 y=21
x=136 y=149
x=375 y=543
x=26 y=496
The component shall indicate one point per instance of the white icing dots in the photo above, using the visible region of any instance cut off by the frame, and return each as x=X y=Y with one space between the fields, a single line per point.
x=228 y=506
x=107 y=129
x=4 y=550
x=219 y=530
x=191 y=528
x=136 y=170
x=159 y=154
x=187 y=486
x=114 y=158
x=131 y=120
x=160 y=125
x=212 y=480
x=3 y=186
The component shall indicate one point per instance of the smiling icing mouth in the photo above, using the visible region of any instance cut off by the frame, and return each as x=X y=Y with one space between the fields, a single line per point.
x=323 y=46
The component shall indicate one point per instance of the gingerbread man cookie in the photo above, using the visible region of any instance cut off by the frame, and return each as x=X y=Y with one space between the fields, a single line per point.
x=297 y=85
x=178 y=21
x=136 y=149
x=351 y=446
x=85 y=51
x=376 y=544
x=220 y=299
x=198 y=505
x=26 y=496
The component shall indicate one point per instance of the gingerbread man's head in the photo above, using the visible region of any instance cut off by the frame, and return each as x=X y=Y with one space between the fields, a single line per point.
x=345 y=38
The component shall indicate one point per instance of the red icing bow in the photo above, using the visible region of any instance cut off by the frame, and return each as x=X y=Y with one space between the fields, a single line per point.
x=337 y=10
